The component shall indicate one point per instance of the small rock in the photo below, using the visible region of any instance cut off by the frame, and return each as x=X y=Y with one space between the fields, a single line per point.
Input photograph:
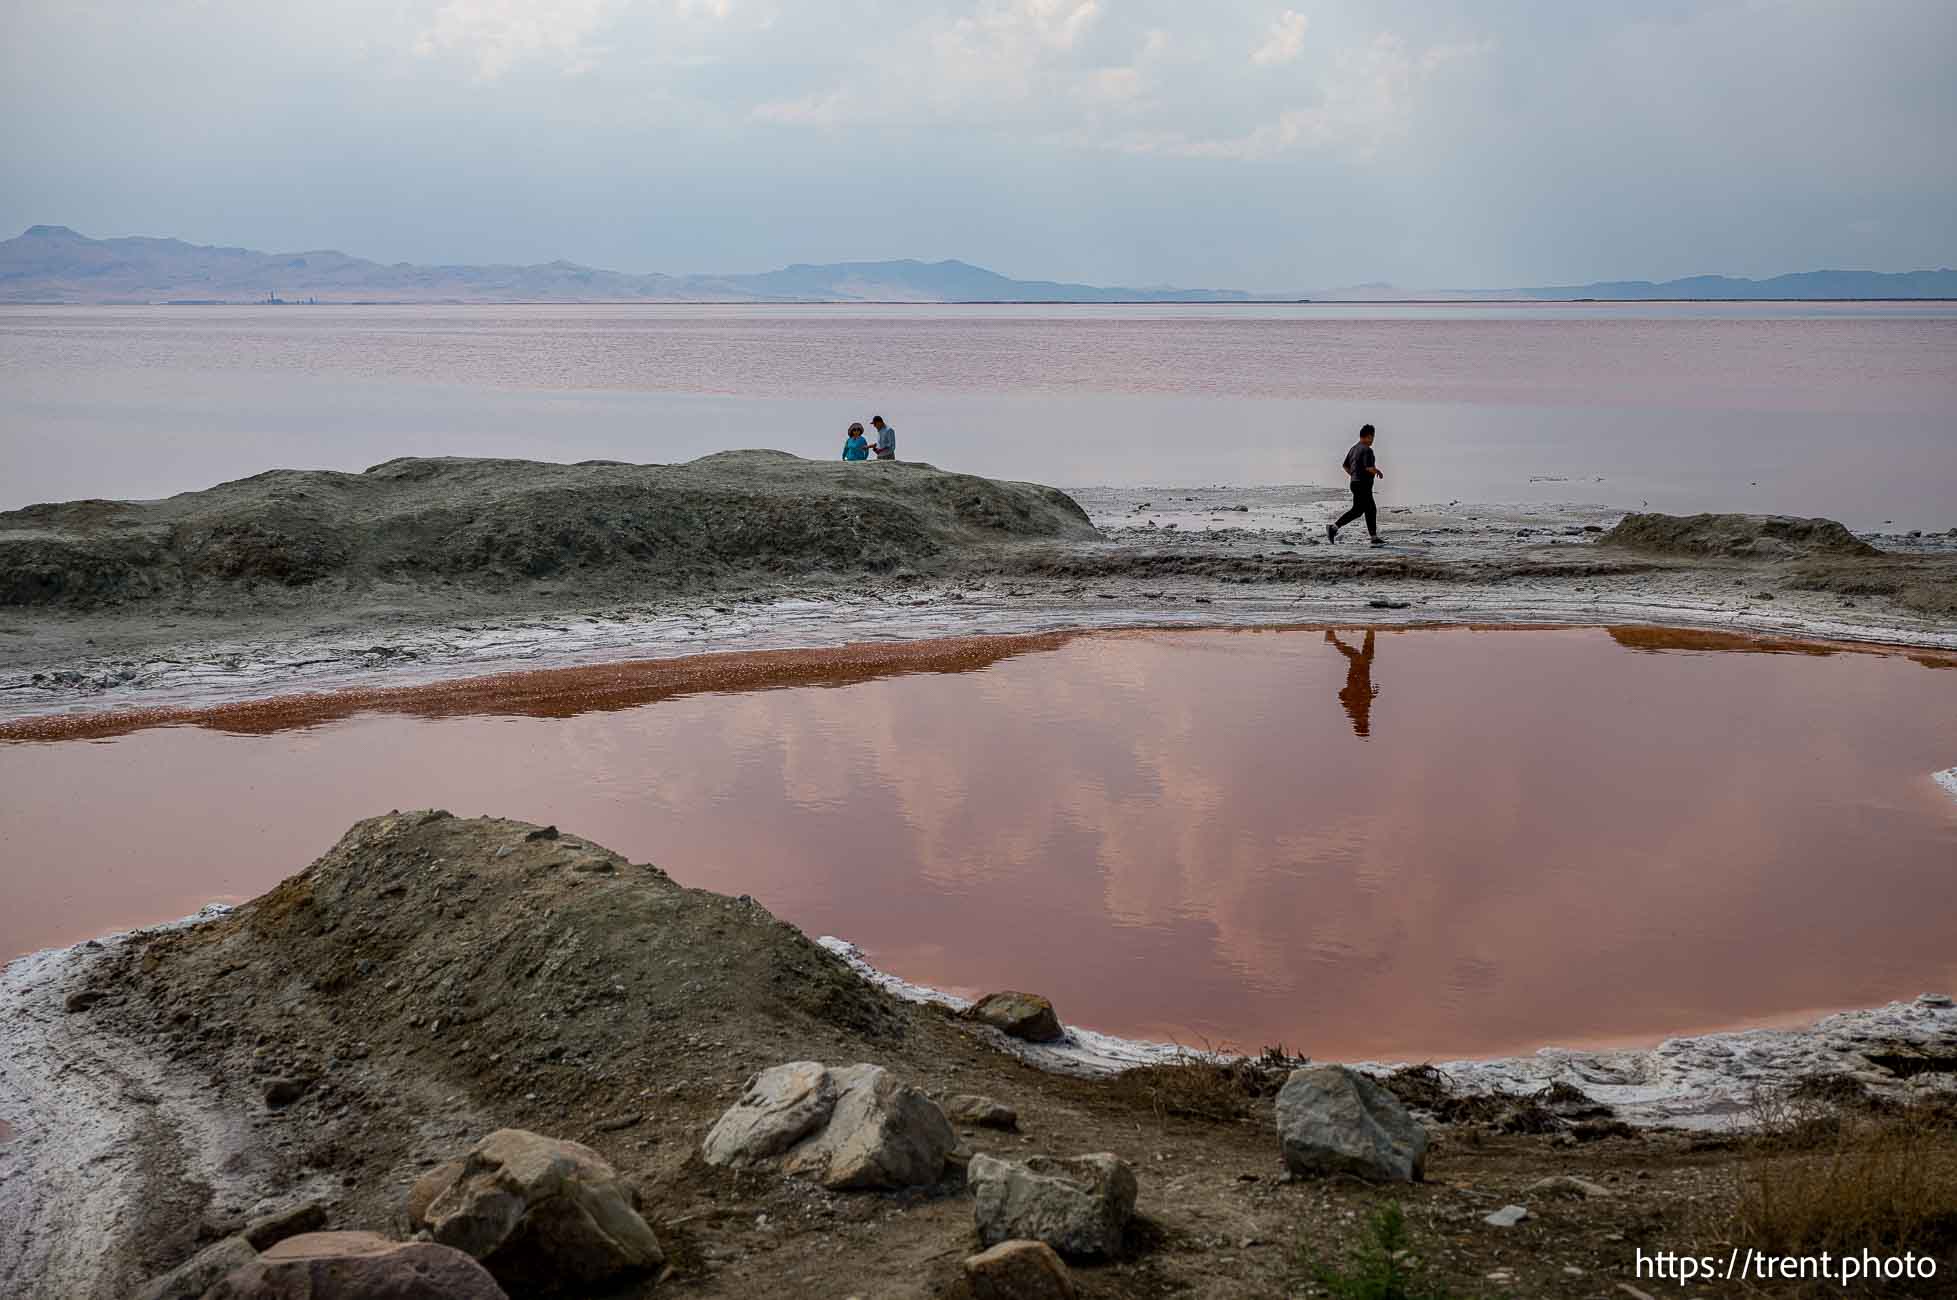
x=1019 y=1270
x=1569 y=1187
x=269 y=1230
x=357 y=1266
x=546 y=833
x=428 y=1188
x=280 y=1093
x=198 y=1274
x=1332 y=1120
x=1933 y=1000
x=1025 y=1016
x=619 y=1122
x=967 y=1108
x=1506 y=1217
x=1078 y=1206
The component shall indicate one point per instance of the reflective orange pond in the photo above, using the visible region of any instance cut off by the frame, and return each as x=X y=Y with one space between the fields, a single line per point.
x=1413 y=843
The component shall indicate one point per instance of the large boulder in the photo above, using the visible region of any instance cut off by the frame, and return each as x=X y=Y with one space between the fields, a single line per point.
x=1080 y=1206
x=1021 y=1015
x=1019 y=1270
x=1331 y=1120
x=856 y=1128
x=357 y=1266
x=541 y=1214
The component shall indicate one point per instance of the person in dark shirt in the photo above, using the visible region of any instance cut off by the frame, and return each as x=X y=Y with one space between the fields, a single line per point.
x=1362 y=469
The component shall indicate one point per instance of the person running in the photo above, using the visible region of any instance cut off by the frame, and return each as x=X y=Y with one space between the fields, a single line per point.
x=886 y=445
x=855 y=446
x=1362 y=470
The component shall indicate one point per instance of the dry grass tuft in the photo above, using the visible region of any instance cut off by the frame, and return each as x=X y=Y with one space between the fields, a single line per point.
x=1554 y=1109
x=1207 y=1084
x=1824 y=1170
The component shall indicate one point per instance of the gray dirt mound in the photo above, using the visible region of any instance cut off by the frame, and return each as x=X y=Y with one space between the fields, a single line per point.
x=427 y=930
x=1763 y=537
x=496 y=524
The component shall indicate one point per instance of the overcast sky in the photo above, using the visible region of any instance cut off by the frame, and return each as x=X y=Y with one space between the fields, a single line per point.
x=1232 y=143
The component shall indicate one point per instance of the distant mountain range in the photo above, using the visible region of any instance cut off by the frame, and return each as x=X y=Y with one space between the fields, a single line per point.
x=1800 y=284
x=53 y=264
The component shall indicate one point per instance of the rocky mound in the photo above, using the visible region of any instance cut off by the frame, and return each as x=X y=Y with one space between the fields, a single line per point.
x=1764 y=537
x=497 y=524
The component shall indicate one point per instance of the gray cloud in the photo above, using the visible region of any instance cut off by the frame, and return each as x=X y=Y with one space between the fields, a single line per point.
x=1246 y=143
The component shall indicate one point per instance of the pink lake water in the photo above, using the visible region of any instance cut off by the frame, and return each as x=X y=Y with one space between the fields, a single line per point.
x=1847 y=410
x=1392 y=843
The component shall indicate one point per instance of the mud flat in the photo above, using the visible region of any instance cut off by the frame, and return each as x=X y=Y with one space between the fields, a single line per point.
x=431 y=979
x=425 y=570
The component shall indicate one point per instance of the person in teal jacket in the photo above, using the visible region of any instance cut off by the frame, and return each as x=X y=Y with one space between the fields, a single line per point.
x=856 y=446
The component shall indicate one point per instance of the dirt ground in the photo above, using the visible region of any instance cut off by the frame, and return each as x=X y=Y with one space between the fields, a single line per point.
x=432 y=978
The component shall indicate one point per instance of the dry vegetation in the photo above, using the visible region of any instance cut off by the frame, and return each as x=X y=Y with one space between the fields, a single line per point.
x=1828 y=1168
x=1209 y=1084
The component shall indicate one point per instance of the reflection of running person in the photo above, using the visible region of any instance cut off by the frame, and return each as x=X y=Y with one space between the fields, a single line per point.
x=1362 y=470
x=1357 y=695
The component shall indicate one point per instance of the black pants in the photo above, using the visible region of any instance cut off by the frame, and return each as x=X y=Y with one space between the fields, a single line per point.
x=1362 y=504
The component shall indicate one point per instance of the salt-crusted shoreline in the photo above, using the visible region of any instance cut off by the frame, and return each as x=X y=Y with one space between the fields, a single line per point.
x=1169 y=557
x=1697 y=1081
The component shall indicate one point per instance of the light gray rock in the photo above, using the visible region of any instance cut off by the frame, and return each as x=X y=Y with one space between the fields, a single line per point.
x=357 y=1266
x=778 y=1108
x=1079 y=1206
x=541 y=1213
x=855 y=1128
x=1019 y=1270
x=1506 y=1217
x=1569 y=1187
x=198 y=1274
x=1332 y=1120
x=968 y=1108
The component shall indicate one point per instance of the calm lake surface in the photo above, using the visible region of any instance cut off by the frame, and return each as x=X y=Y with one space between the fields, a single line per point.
x=1412 y=843
x=1843 y=410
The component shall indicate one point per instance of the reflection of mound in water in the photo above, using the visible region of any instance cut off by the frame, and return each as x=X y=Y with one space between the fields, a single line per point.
x=1744 y=536
x=497 y=523
x=1948 y=780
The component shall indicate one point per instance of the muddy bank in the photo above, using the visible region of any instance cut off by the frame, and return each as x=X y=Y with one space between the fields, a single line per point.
x=431 y=979
x=1223 y=556
x=321 y=538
